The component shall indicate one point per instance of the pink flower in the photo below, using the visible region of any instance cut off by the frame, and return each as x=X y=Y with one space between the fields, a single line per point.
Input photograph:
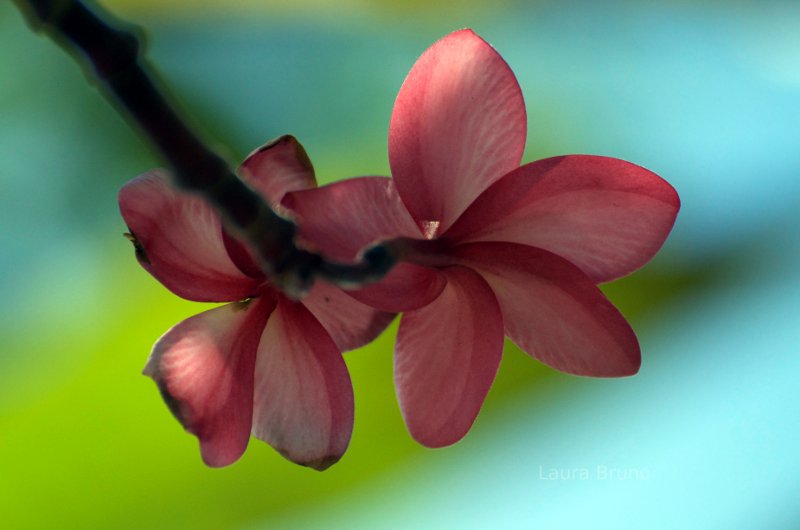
x=263 y=363
x=488 y=248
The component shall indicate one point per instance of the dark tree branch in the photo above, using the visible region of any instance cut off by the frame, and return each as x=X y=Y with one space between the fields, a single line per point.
x=114 y=55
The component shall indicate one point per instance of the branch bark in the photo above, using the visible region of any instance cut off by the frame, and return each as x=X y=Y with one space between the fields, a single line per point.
x=113 y=52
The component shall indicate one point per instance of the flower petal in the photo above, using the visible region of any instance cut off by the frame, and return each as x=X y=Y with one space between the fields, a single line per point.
x=342 y=218
x=350 y=323
x=204 y=369
x=303 y=395
x=607 y=216
x=278 y=167
x=406 y=287
x=242 y=257
x=178 y=239
x=446 y=358
x=458 y=125
x=553 y=311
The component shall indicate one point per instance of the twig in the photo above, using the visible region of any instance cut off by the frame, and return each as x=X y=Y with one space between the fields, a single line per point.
x=114 y=54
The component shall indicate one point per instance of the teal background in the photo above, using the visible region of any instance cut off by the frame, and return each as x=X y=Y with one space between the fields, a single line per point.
x=705 y=436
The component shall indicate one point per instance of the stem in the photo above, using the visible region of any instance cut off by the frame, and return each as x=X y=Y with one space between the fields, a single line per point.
x=125 y=78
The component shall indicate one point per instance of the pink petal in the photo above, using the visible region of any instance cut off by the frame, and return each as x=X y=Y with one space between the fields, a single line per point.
x=350 y=323
x=406 y=287
x=458 y=125
x=607 y=216
x=303 y=395
x=553 y=311
x=278 y=167
x=342 y=218
x=179 y=241
x=204 y=369
x=242 y=257
x=446 y=358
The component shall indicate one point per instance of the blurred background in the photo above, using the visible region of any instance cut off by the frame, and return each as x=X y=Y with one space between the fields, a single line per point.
x=705 y=436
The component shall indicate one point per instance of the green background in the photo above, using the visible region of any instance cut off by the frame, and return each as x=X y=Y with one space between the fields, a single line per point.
x=705 y=94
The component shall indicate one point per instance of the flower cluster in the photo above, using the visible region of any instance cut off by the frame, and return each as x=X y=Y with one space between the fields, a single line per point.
x=487 y=248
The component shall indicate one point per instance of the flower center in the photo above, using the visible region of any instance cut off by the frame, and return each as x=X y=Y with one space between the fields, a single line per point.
x=429 y=228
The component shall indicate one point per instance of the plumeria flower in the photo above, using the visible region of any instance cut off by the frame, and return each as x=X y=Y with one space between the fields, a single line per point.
x=488 y=248
x=262 y=363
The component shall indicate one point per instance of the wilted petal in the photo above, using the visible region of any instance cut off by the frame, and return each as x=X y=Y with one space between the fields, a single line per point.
x=407 y=286
x=303 y=395
x=278 y=167
x=204 y=369
x=553 y=311
x=179 y=241
x=342 y=218
x=446 y=358
x=458 y=125
x=607 y=216
x=350 y=323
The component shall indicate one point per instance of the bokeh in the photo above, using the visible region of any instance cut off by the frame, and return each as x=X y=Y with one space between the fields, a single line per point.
x=706 y=94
